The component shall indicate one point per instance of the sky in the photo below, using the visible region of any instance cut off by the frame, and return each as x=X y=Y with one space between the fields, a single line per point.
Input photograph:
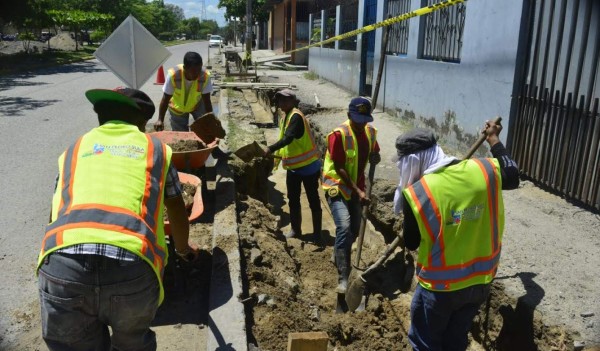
x=193 y=8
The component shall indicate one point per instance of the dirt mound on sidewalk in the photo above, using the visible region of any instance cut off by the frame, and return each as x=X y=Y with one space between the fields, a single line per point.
x=62 y=41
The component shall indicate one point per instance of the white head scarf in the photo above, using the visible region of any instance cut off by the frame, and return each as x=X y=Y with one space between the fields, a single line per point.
x=412 y=167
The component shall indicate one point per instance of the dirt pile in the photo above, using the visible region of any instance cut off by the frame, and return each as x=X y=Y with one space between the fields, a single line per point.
x=290 y=283
x=292 y=287
x=62 y=41
x=186 y=145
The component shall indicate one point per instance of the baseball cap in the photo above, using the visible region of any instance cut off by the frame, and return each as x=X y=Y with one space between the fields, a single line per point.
x=287 y=93
x=360 y=110
x=123 y=96
x=415 y=140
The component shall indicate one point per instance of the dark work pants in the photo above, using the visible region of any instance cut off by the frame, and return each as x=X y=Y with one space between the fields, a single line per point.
x=294 y=186
x=440 y=321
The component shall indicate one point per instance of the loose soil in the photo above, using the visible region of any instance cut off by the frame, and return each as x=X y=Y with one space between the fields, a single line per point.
x=186 y=145
x=292 y=281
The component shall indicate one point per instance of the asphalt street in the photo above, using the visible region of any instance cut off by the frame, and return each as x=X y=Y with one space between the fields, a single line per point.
x=41 y=114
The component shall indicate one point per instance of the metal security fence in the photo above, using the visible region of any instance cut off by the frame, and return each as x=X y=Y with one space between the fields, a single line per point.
x=441 y=34
x=398 y=35
x=330 y=23
x=348 y=22
x=555 y=124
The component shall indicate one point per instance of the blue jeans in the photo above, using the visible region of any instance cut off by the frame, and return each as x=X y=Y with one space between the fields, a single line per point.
x=442 y=320
x=81 y=295
x=346 y=216
x=180 y=123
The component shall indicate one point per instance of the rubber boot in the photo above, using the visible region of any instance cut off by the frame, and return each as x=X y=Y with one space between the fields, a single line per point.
x=317 y=225
x=343 y=267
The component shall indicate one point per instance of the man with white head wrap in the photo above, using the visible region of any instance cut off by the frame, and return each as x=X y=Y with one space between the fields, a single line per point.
x=454 y=213
x=418 y=154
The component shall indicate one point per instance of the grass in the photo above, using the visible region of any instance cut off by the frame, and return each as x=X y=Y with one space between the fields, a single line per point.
x=311 y=75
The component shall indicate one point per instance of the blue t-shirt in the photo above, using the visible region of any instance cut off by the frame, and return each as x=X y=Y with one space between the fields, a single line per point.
x=309 y=169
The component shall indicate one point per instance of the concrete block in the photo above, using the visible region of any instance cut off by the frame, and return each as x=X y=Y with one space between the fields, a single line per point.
x=308 y=341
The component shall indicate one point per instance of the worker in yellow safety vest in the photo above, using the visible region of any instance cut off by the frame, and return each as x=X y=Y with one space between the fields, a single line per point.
x=104 y=252
x=186 y=91
x=454 y=213
x=349 y=147
x=301 y=158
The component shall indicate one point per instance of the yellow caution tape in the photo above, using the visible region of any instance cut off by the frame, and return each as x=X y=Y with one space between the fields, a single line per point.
x=420 y=12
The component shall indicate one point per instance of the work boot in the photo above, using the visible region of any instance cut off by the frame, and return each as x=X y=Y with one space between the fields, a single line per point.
x=290 y=234
x=317 y=225
x=343 y=267
x=296 y=224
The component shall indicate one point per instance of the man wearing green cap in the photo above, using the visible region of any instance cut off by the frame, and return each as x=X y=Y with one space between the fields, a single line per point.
x=104 y=252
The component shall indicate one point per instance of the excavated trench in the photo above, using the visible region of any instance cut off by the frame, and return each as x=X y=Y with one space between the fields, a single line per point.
x=290 y=282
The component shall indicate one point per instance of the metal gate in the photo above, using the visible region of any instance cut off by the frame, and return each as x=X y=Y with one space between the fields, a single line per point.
x=555 y=123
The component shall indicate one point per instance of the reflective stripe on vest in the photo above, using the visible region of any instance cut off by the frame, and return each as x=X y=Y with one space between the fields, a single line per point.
x=437 y=272
x=109 y=217
x=300 y=152
x=330 y=177
x=177 y=76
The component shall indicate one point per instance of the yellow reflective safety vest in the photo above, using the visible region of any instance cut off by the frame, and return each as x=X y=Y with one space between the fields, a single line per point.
x=184 y=101
x=460 y=213
x=110 y=191
x=300 y=152
x=332 y=180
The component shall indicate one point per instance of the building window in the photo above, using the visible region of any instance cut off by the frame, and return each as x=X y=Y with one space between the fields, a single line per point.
x=349 y=22
x=398 y=36
x=442 y=32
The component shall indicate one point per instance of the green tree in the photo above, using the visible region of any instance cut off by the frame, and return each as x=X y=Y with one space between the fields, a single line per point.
x=77 y=20
x=237 y=8
x=194 y=27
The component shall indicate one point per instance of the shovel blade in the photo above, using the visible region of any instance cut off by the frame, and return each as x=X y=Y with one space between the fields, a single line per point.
x=248 y=152
x=355 y=293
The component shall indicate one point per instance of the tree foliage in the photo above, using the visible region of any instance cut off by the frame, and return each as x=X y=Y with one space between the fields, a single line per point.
x=101 y=15
x=77 y=20
x=237 y=8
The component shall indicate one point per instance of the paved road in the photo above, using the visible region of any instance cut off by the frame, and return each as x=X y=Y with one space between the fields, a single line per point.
x=41 y=114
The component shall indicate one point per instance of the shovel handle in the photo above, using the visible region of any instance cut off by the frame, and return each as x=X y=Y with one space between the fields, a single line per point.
x=480 y=141
x=399 y=241
x=363 y=219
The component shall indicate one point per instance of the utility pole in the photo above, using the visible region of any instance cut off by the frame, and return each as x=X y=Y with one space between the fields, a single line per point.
x=249 y=22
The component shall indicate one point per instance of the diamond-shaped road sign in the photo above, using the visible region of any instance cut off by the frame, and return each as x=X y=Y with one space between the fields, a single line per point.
x=132 y=53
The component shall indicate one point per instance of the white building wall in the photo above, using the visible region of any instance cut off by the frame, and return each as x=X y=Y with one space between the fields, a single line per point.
x=476 y=89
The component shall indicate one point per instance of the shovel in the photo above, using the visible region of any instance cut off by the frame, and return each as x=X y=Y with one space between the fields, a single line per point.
x=354 y=275
x=208 y=128
x=247 y=152
x=356 y=287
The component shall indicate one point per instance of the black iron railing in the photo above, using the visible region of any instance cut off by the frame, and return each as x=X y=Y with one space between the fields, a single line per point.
x=442 y=32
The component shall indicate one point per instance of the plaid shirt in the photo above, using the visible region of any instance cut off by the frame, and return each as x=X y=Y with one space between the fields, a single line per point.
x=172 y=189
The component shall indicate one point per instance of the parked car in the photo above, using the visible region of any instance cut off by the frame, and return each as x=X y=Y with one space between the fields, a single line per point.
x=9 y=37
x=45 y=36
x=215 y=41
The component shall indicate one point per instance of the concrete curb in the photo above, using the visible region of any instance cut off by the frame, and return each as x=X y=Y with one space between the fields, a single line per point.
x=226 y=317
